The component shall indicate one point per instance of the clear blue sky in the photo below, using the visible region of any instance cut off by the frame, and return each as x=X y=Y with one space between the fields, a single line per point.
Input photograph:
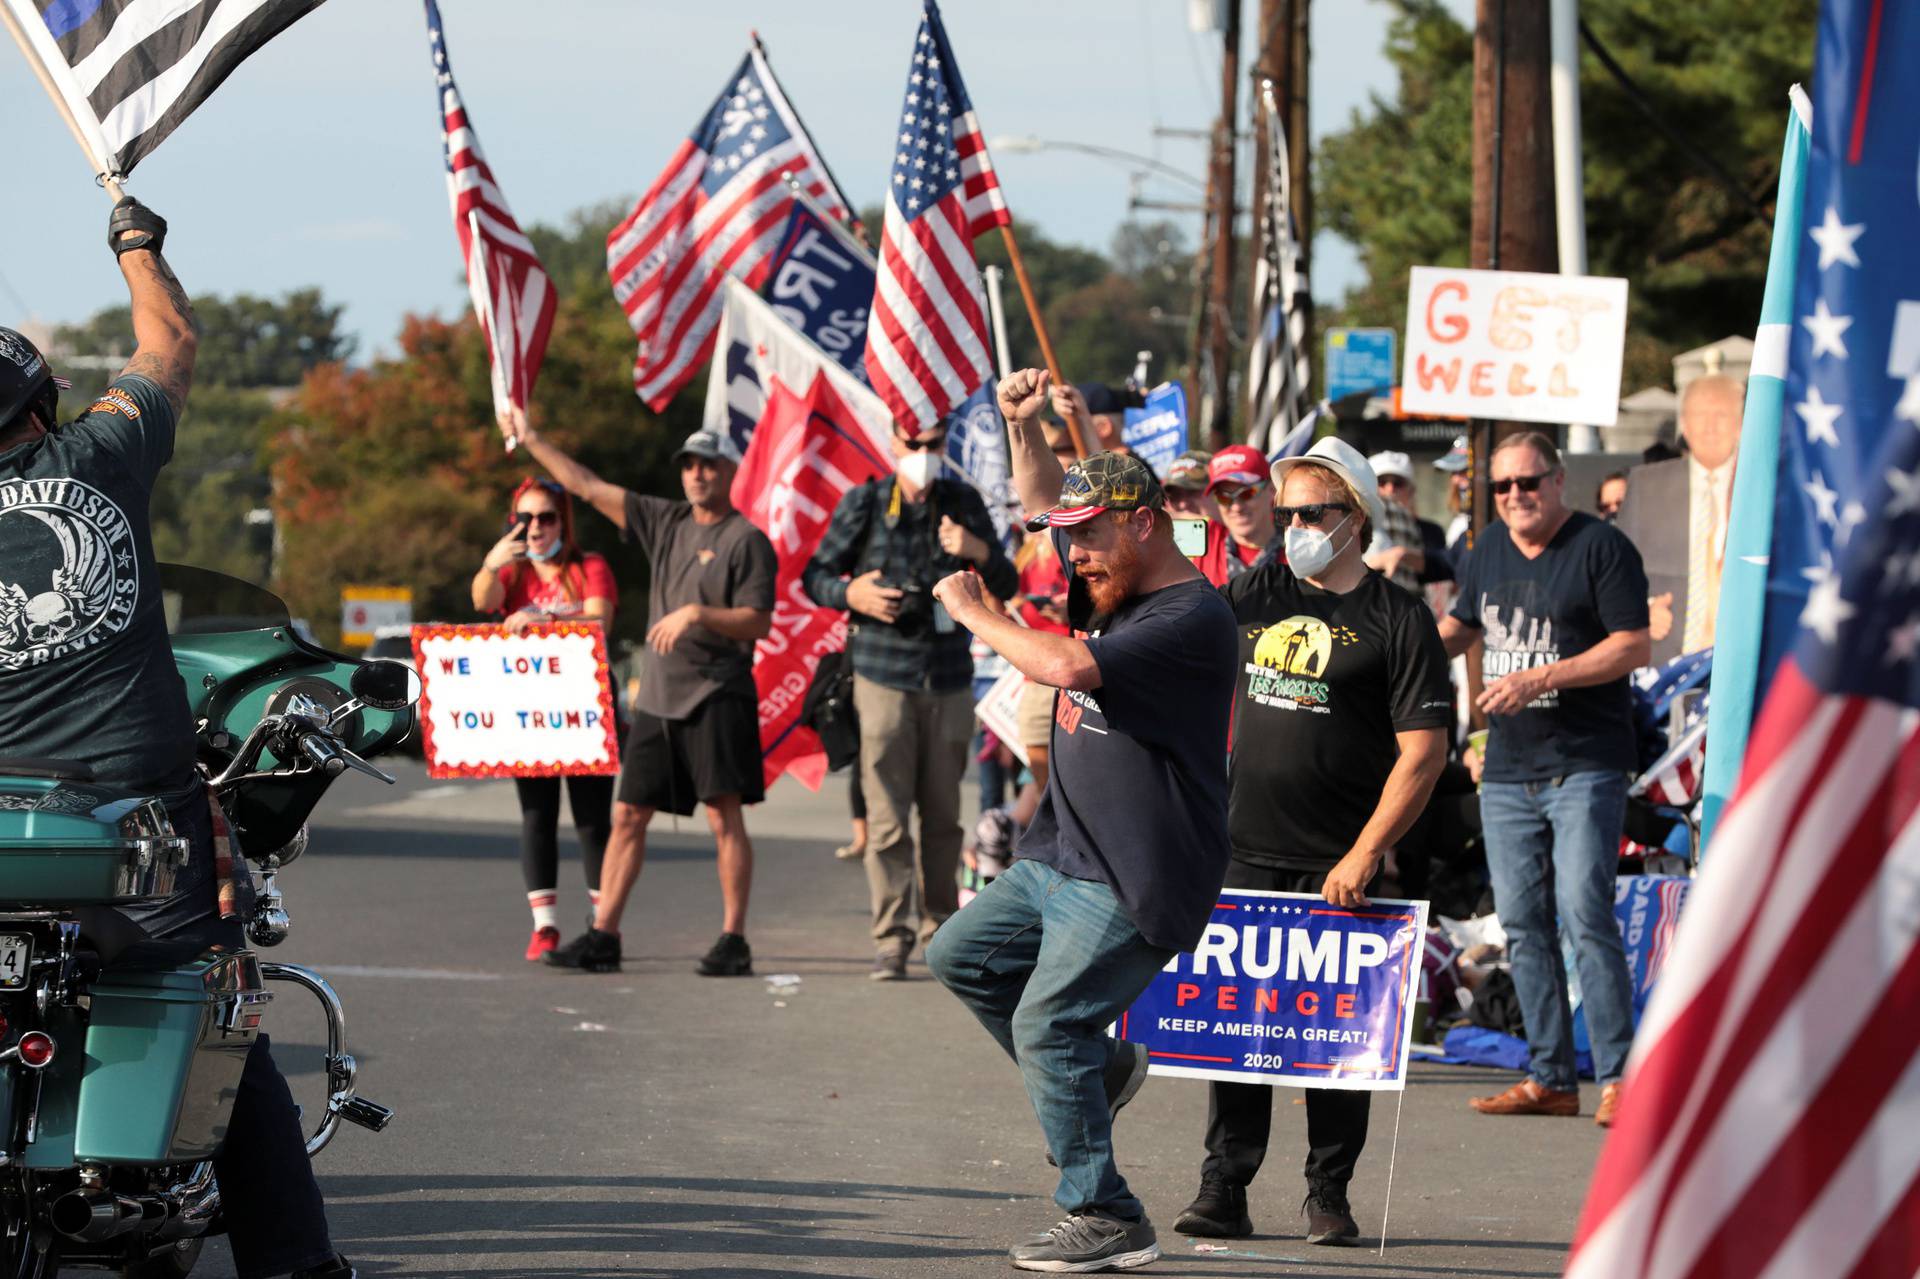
x=318 y=162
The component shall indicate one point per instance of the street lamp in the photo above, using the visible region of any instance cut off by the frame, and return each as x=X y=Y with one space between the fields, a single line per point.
x=1030 y=145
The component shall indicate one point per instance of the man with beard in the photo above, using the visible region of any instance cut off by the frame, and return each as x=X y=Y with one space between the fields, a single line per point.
x=696 y=736
x=1121 y=864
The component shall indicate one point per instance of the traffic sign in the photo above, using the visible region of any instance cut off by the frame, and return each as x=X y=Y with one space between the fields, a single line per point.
x=1360 y=361
x=365 y=610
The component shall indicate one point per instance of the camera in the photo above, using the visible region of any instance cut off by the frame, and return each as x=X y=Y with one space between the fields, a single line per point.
x=915 y=617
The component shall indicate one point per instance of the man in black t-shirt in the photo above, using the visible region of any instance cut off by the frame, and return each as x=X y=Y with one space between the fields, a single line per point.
x=1122 y=861
x=695 y=736
x=1340 y=728
x=87 y=677
x=1560 y=599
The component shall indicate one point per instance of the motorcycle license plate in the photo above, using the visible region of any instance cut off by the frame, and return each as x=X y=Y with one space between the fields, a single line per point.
x=15 y=951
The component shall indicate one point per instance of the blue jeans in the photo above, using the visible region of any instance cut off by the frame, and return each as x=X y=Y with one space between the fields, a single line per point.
x=1556 y=843
x=1047 y=963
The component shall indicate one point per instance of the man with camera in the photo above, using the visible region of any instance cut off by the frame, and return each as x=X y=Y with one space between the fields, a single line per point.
x=890 y=540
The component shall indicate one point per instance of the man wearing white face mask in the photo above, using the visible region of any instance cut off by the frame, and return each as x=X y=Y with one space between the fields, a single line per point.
x=890 y=540
x=1340 y=729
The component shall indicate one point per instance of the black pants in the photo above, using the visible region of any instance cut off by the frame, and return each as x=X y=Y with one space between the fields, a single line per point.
x=591 y=799
x=1240 y=1116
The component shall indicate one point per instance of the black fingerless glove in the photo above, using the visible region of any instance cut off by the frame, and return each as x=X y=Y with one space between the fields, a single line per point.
x=131 y=215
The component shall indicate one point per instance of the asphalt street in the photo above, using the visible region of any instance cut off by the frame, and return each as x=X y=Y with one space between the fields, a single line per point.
x=803 y=1121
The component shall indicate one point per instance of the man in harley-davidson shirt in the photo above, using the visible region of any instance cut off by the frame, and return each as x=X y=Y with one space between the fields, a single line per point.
x=88 y=683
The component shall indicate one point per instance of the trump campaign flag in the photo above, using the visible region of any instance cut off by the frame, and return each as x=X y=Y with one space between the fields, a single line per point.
x=128 y=72
x=821 y=282
x=512 y=296
x=717 y=210
x=1767 y=1125
x=927 y=338
x=807 y=451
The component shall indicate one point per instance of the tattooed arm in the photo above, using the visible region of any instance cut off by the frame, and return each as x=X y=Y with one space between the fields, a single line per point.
x=164 y=331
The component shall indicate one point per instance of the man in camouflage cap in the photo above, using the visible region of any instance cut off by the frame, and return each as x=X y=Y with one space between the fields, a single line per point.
x=1186 y=486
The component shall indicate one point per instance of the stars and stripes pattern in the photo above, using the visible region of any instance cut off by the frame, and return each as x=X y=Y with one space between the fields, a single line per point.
x=131 y=70
x=1674 y=778
x=927 y=343
x=1279 y=376
x=1767 y=1123
x=716 y=210
x=512 y=296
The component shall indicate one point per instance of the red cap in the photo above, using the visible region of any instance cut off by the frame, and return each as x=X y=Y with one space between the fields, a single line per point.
x=1237 y=464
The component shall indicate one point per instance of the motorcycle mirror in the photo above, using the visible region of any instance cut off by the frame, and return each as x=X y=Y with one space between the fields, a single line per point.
x=386 y=685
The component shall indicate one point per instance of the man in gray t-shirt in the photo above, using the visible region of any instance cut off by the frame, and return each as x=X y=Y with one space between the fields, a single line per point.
x=696 y=731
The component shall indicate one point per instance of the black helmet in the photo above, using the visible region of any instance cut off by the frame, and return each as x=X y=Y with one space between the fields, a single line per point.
x=25 y=380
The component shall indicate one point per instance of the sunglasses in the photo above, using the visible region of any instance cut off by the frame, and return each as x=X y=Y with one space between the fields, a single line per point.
x=1311 y=514
x=935 y=443
x=1525 y=483
x=542 y=517
x=1233 y=497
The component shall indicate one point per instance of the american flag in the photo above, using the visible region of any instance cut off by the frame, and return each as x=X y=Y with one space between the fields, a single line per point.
x=512 y=296
x=1277 y=396
x=927 y=334
x=1674 y=778
x=717 y=210
x=1768 y=1122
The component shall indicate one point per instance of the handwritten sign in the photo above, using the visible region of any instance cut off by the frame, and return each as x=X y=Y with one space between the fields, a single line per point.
x=999 y=710
x=1286 y=989
x=1514 y=345
x=533 y=705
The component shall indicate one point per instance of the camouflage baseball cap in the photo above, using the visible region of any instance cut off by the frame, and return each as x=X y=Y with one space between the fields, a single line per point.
x=1101 y=482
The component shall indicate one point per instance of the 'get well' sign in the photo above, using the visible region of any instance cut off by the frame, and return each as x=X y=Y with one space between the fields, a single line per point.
x=1514 y=345
x=532 y=705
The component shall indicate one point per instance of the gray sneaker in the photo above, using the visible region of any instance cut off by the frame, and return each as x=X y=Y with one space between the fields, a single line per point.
x=1087 y=1243
x=888 y=967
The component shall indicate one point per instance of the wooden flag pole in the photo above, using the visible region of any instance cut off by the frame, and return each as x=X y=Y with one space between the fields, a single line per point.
x=111 y=185
x=1040 y=330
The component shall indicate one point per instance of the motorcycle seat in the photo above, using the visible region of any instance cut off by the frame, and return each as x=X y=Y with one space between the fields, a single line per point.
x=58 y=770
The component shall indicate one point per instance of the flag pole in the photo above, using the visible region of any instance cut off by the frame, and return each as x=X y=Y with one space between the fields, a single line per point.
x=841 y=232
x=1039 y=328
x=110 y=184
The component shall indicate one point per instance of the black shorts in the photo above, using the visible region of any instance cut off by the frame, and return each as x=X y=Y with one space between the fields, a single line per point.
x=673 y=764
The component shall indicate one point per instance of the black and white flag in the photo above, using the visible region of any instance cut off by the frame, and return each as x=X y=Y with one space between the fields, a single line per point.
x=129 y=71
x=1279 y=378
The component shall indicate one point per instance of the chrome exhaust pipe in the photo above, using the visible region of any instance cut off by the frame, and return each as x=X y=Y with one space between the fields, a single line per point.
x=94 y=1216
x=191 y=1205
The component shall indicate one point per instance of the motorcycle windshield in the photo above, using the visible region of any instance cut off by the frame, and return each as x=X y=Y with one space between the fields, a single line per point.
x=200 y=601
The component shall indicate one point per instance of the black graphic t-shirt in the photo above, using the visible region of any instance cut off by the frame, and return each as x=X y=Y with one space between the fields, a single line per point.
x=86 y=672
x=1325 y=682
x=1586 y=585
x=1137 y=799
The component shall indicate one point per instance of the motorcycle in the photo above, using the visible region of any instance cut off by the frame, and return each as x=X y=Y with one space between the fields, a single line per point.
x=122 y=1053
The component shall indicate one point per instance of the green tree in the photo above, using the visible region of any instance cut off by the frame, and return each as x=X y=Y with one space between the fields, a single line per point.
x=1398 y=180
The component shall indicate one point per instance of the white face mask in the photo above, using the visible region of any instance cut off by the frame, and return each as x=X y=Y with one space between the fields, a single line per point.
x=1309 y=550
x=920 y=468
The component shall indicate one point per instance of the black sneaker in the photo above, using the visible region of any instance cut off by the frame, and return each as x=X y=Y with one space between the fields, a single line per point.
x=730 y=957
x=338 y=1268
x=1123 y=1078
x=592 y=951
x=1089 y=1242
x=1219 y=1211
x=1329 y=1219
x=888 y=968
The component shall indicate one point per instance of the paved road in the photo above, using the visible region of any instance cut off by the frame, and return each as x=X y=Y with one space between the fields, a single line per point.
x=656 y=1123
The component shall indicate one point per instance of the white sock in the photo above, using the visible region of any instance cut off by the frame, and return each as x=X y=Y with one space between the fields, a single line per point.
x=546 y=909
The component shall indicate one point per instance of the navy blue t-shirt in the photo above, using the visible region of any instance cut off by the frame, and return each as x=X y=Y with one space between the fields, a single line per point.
x=1587 y=584
x=1137 y=798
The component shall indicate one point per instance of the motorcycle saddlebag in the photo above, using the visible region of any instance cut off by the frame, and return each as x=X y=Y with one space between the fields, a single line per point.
x=165 y=1049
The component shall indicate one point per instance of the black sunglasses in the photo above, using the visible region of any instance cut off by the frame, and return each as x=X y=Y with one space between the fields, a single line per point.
x=1526 y=483
x=1311 y=514
x=542 y=517
x=931 y=442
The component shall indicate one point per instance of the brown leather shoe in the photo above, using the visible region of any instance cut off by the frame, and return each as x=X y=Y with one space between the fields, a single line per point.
x=1609 y=1102
x=1529 y=1098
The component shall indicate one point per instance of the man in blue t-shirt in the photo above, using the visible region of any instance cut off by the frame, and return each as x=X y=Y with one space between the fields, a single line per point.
x=1560 y=600
x=87 y=679
x=1124 y=858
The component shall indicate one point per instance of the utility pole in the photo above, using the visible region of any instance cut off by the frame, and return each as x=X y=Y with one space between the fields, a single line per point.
x=1513 y=204
x=1216 y=404
x=1282 y=58
x=1300 y=152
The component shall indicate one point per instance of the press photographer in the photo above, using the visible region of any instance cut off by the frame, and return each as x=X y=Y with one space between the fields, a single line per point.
x=890 y=541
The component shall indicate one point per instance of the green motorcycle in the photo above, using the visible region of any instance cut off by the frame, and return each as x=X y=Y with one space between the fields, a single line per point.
x=122 y=1054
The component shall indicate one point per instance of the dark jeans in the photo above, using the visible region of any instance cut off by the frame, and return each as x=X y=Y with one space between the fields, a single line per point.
x=1240 y=1116
x=276 y=1220
x=591 y=799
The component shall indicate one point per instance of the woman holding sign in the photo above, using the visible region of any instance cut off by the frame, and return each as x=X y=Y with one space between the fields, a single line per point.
x=538 y=573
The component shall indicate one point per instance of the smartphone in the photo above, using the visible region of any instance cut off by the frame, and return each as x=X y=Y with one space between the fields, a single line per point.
x=1190 y=536
x=522 y=521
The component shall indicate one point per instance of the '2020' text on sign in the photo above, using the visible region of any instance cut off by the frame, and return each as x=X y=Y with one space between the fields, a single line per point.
x=1514 y=345
x=533 y=705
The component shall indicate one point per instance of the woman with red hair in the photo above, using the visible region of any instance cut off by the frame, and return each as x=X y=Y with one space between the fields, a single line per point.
x=538 y=573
